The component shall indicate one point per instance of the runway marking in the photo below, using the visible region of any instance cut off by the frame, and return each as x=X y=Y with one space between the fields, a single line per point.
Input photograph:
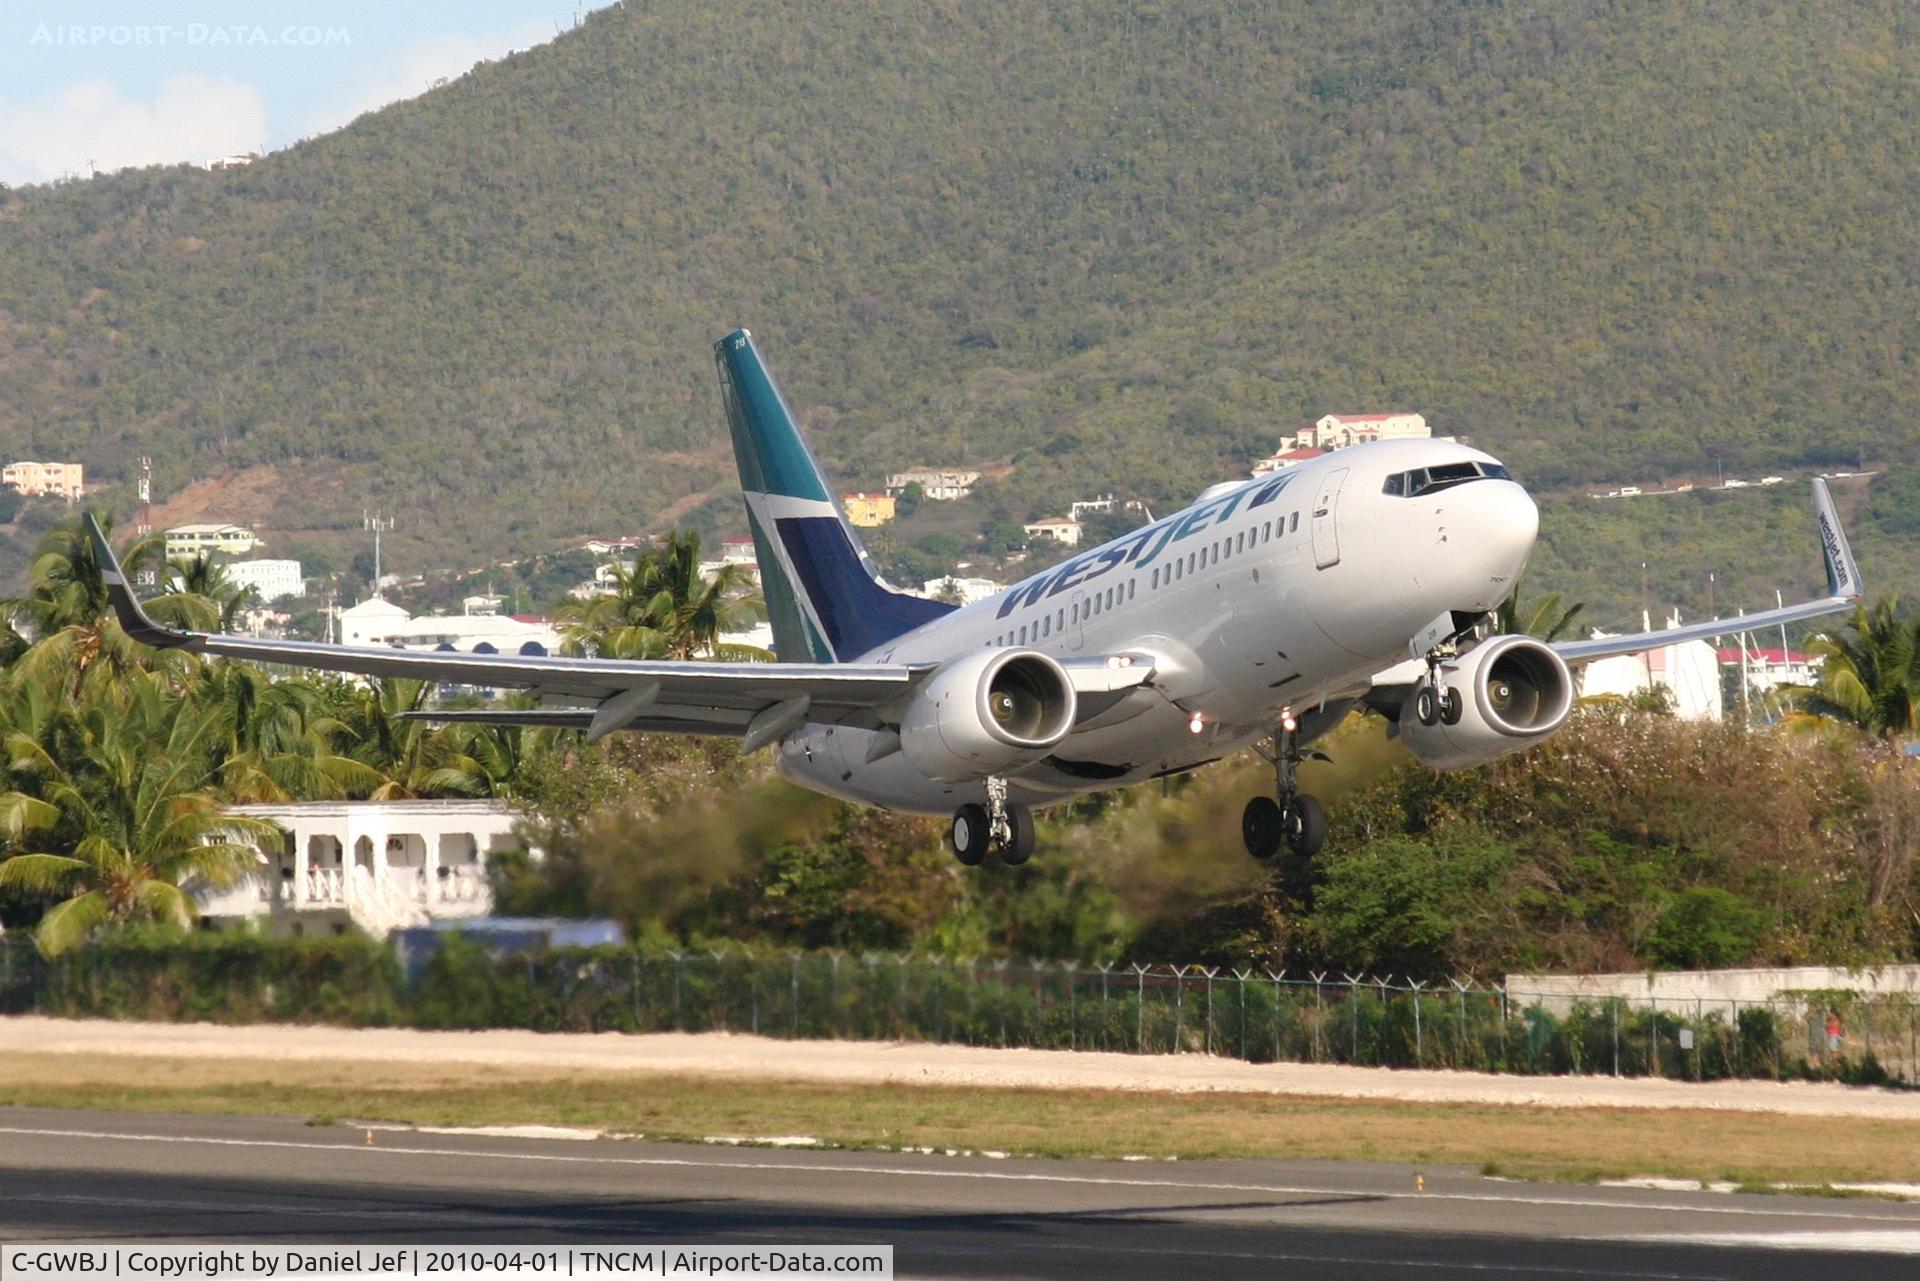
x=337 y=1211
x=344 y=1212
x=1866 y=1242
x=999 y=1176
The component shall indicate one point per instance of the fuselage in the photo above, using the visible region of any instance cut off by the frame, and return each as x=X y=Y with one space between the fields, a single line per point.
x=1285 y=593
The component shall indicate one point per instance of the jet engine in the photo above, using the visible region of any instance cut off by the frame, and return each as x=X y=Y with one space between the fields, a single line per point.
x=1513 y=691
x=988 y=713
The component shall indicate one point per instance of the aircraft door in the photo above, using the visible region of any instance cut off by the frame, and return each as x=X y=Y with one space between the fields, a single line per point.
x=1077 y=621
x=1326 y=502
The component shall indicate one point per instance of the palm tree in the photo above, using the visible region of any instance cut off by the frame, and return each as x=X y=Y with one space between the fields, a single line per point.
x=204 y=577
x=1545 y=620
x=663 y=607
x=66 y=614
x=118 y=813
x=412 y=758
x=1871 y=676
x=276 y=739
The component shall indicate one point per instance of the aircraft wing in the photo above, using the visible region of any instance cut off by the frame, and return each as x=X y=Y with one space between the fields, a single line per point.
x=1844 y=590
x=756 y=701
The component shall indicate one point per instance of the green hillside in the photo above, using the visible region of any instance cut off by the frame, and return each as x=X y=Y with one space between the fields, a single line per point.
x=1121 y=245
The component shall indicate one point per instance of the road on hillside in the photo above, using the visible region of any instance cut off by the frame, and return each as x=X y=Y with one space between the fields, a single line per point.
x=99 y=1175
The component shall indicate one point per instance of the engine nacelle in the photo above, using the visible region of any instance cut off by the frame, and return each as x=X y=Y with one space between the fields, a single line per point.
x=1514 y=692
x=988 y=713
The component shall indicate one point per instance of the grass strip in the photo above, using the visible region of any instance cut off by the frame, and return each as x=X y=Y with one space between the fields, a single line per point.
x=1751 y=1149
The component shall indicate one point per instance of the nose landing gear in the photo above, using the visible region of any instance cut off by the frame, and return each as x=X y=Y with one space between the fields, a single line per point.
x=1290 y=819
x=998 y=825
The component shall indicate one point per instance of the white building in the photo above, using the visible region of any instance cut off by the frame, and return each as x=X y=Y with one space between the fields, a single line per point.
x=1339 y=431
x=936 y=485
x=273 y=579
x=1058 y=528
x=377 y=865
x=1689 y=673
x=371 y=622
x=1767 y=670
x=965 y=590
x=188 y=541
x=377 y=621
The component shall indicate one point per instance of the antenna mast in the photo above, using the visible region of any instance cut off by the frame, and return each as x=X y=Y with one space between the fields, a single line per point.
x=379 y=526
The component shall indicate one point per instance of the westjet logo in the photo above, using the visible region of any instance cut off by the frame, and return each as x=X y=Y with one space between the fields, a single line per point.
x=1836 y=563
x=1142 y=547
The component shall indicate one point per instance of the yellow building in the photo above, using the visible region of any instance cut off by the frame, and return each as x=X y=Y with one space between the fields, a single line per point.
x=867 y=510
x=36 y=479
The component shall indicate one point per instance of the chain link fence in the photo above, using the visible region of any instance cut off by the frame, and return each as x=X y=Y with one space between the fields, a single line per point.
x=1255 y=1014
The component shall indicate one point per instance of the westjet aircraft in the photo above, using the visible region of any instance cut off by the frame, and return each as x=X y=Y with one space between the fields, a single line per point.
x=1257 y=617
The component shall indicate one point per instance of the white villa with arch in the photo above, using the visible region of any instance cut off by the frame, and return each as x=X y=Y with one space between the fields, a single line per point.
x=375 y=865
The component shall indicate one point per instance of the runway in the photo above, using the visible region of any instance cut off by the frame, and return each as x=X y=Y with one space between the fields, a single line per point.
x=114 y=1176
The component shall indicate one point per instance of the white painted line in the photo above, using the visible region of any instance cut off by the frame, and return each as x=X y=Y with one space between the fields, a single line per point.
x=1872 y=1242
x=1773 y=1211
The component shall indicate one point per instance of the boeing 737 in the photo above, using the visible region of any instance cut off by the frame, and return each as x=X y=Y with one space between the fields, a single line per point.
x=1258 y=617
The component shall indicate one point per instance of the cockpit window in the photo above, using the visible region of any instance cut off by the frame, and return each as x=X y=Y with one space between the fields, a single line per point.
x=1430 y=480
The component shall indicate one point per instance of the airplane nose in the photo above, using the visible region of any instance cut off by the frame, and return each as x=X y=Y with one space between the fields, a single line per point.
x=1498 y=536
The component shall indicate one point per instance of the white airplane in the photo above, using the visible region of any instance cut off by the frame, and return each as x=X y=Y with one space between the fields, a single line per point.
x=1257 y=617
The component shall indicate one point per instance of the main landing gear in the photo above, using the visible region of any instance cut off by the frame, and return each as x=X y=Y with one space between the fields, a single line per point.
x=1289 y=819
x=997 y=825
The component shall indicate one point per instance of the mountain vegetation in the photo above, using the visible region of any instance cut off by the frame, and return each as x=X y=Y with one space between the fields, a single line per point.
x=1117 y=244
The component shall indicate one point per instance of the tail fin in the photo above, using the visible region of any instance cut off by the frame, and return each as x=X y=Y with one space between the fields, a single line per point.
x=824 y=597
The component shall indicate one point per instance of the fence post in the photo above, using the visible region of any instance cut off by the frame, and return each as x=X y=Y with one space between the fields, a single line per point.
x=1460 y=1008
x=1419 y=1042
x=939 y=1015
x=1242 y=977
x=1353 y=1015
x=1613 y=1008
x=1319 y=1012
x=1140 y=1008
x=1179 y=1005
x=833 y=995
x=1276 y=1012
x=1001 y=966
x=1653 y=1036
x=1210 y=1007
x=679 y=965
x=1072 y=969
x=1106 y=968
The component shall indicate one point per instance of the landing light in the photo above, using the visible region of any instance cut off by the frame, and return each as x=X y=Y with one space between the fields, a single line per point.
x=1287 y=722
x=1197 y=723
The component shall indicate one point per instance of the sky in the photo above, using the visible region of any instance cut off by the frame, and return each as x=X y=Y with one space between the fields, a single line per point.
x=96 y=85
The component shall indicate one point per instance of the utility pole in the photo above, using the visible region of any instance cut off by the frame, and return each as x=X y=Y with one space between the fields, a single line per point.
x=379 y=526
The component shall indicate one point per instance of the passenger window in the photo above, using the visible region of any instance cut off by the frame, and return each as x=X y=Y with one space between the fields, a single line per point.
x=1294 y=525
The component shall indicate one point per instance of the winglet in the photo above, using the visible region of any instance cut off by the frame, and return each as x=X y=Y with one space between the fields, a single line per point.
x=1843 y=575
x=134 y=620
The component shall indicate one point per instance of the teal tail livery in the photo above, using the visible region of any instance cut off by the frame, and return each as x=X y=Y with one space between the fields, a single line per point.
x=824 y=598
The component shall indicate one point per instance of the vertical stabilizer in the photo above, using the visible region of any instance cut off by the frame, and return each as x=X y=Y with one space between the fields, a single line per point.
x=824 y=598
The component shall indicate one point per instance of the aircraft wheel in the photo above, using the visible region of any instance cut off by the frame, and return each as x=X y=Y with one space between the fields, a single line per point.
x=1263 y=826
x=1019 y=846
x=1426 y=707
x=971 y=833
x=1306 y=826
x=1450 y=706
